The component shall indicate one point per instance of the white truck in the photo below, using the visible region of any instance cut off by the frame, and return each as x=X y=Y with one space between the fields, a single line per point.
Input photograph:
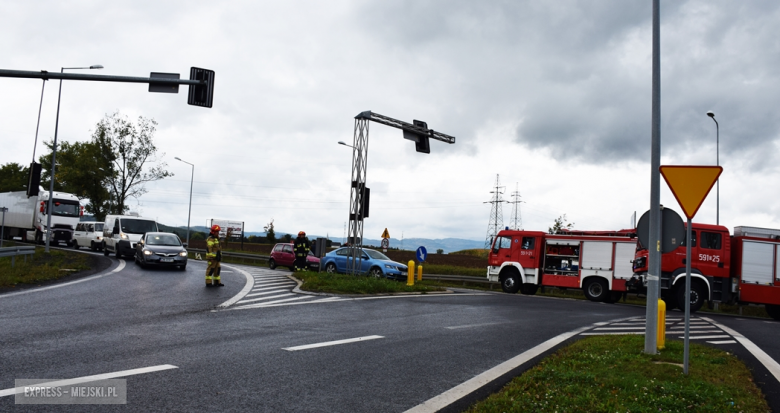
x=26 y=217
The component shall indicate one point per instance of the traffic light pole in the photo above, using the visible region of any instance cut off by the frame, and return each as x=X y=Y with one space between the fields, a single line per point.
x=99 y=78
x=358 y=199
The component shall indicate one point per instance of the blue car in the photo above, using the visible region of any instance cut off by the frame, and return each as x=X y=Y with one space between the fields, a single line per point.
x=373 y=263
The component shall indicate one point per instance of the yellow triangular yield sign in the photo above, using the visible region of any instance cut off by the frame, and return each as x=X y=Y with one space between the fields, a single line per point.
x=690 y=184
x=385 y=234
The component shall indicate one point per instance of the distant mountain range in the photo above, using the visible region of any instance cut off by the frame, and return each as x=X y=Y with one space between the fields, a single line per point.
x=411 y=244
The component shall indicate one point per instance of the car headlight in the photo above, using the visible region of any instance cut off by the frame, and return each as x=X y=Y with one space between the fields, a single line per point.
x=183 y=254
x=147 y=252
x=391 y=267
x=122 y=235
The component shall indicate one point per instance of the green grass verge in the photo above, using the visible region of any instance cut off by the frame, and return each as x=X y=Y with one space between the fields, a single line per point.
x=453 y=270
x=41 y=267
x=612 y=374
x=349 y=284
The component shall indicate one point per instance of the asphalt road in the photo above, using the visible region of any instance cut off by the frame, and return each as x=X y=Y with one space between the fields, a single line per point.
x=238 y=358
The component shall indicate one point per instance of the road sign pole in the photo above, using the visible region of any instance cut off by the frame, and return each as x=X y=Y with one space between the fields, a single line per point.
x=654 y=253
x=688 y=243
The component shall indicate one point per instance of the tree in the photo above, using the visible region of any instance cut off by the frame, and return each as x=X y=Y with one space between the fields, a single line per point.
x=13 y=177
x=560 y=224
x=83 y=169
x=287 y=238
x=133 y=147
x=269 y=232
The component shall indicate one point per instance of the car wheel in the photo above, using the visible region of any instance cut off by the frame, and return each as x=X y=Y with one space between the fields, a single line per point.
x=529 y=289
x=670 y=298
x=183 y=267
x=613 y=297
x=330 y=268
x=697 y=295
x=511 y=282
x=105 y=250
x=596 y=289
x=118 y=255
x=75 y=244
x=375 y=272
x=773 y=311
x=92 y=246
x=271 y=264
x=137 y=262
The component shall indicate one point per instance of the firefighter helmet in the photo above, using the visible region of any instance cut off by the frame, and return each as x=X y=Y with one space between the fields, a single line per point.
x=215 y=229
x=301 y=234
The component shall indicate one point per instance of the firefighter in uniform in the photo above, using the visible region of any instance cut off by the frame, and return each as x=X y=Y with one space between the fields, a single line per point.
x=214 y=256
x=301 y=248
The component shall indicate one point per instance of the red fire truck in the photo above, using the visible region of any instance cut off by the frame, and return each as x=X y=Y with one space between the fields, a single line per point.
x=599 y=262
x=743 y=268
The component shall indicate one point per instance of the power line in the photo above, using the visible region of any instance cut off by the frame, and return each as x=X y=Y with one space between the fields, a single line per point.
x=496 y=214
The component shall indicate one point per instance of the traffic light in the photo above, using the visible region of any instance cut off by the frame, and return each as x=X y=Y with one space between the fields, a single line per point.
x=34 y=179
x=201 y=95
x=421 y=142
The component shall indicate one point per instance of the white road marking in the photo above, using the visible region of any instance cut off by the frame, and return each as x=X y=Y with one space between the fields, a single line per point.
x=275 y=302
x=759 y=354
x=613 y=334
x=472 y=326
x=723 y=342
x=709 y=337
x=87 y=379
x=244 y=291
x=617 y=328
x=254 y=294
x=119 y=267
x=274 y=283
x=332 y=343
x=265 y=298
x=458 y=392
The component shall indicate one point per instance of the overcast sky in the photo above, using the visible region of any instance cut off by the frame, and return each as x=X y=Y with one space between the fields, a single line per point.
x=554 y=97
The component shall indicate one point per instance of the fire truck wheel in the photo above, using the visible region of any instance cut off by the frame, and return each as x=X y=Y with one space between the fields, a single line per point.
x=511 y=283
x=670 y=298
x=613 y=297
x=596 y=290
x=528 y=289
x=698 y=295
x=773 y=311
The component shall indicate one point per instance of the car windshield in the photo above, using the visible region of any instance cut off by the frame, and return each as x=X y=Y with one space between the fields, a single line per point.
x=376 y=255
x=163 y=239
x=66 y=209
x=138 y=226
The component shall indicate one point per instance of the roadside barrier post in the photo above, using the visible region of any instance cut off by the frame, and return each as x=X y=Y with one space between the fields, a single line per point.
x=661 y=339
x=419 y=273
x=410 y=273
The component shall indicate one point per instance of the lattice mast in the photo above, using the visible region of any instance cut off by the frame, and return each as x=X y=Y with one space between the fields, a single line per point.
x=496 y=214
x=517 y=219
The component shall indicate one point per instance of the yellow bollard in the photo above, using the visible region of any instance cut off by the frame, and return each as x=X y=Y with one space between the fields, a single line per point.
x=660 y=340
x=410 y=273
x=419 y=273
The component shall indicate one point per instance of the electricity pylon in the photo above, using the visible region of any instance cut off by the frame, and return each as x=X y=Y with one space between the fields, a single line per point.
x=496 y=214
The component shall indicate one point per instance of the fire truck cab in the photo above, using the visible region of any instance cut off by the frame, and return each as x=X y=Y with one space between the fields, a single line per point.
x=598 y=262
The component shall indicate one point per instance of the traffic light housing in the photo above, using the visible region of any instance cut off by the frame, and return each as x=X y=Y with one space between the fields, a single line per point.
x=34 y=179
x=201 y=95
x=421 y=141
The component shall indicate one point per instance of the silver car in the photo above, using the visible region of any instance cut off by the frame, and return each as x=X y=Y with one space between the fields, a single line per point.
x=161 y=249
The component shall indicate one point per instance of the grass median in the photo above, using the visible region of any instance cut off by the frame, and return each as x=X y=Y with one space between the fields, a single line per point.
x=41 y=267
x=324 y=282
x=612 y=374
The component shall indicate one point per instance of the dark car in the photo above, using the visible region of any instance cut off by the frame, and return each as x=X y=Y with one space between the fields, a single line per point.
x=283 y=256
x=373 y=263
x=161 y=249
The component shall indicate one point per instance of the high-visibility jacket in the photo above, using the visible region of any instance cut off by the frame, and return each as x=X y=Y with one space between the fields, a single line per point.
x=301 y=247
x=212 y=246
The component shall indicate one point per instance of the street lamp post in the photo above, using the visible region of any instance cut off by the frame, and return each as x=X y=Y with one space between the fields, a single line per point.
x=343 y=143
x=189 y=212
x=49 y=232
x=717 y=163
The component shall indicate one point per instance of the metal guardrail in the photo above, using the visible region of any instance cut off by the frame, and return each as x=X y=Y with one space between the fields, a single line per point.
x=233 y=254
x=462 y=278
x=14 y=251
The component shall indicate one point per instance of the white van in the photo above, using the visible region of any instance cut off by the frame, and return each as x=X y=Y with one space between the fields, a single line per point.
x=122 y=232
x=88 y=234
